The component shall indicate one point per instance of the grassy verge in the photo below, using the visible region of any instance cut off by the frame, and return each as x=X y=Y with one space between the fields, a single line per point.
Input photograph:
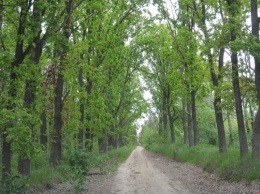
x=73 y=168
x=228 y=165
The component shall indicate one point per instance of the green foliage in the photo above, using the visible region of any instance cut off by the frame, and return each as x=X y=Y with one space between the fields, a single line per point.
x=12 y=184
x=73 y=168
x=78 y=180
x=44 y=176
x=149 y=137
x=17 y=123
x=113 y=44
x=207 y=124
x=84 y=161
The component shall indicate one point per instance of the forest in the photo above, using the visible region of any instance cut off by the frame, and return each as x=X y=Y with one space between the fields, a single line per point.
x=73 y=75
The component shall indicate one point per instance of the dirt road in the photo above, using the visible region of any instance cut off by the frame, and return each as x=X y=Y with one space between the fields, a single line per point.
x=138 y=175
x=145 y=172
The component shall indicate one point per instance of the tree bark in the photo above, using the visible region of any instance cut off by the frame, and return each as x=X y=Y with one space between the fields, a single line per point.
x=103 y=143
x=220 y=125
x=216 y=78
x=19 y=55
x=251 y=116
x=160 y=130
x=230 y=130
x=82 y=115
x=30 y=89
x=194 y=117
x=217 y=100
x=190 y=135
x=29 y=97
x=246 y=117
x=88 y=134
x=56 y=144
x=112 y=140
x=256 y=127
x=6 y=157
x=238 y=100
x=184 y=122
x=171 y=123
x=164 y=115
x=43 y=134
x=120 y=140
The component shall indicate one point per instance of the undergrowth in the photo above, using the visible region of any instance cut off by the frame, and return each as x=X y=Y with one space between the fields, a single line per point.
x=227 y=165
x=73 y=168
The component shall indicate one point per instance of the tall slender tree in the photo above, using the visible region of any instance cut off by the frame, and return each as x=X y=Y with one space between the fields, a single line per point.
x=255 y=53
x=56 y=144
x=234 y=11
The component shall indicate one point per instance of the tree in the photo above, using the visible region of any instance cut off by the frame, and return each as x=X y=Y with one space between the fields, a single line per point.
x=215 y=72
x=162 y=75
x=27 y=48
x=234 y=12
x=255 y=53
x=56 y=144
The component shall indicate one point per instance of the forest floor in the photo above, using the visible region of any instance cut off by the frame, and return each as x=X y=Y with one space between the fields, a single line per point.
x=145 y=172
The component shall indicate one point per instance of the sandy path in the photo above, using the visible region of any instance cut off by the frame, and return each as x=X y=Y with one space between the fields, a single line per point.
x=138 y=175
x=145 y=172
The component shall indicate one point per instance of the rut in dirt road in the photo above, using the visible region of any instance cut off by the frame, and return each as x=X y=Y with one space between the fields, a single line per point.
x=138 y=175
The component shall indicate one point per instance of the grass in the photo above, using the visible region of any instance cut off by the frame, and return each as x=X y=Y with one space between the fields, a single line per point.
x=73 y=169
x=227 y=165
x=44 y=176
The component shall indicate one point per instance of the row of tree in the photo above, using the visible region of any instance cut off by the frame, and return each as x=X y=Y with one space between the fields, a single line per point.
x=204 y=50
x=68 y=77
x=70 y=72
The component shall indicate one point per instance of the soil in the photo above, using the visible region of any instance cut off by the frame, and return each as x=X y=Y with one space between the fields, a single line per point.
x=145 y=172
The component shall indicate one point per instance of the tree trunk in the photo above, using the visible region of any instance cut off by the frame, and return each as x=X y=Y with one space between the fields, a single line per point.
x=230 y=130
x=220 y=125
x=81 y=130
x=89 y=139
x=194 y=117
x=6 y=157
x=256 y=136
x=184 y=122
x=251 y=115
x=217 y=100
x=29 y=97
x=88 y=134
x=19 y=56
x=120 y=140
x=112 y=140
x=30 y=93
x=43 y=135
x=216 y=78
x=171 y=123
x=102 y=142
x=81 y=109
x=160 y=130
x=24 y=166
x=164 y=116
x=238 y=100
x=247 y=119
x=190 y=135
x=256 y=127
x=56 y=146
